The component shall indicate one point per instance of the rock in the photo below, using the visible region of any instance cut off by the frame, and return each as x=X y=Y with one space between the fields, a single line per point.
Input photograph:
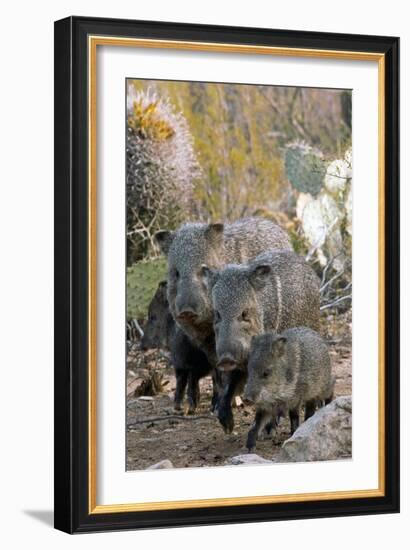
x=238 y=401
x=327 y=435
x=145 y=398
x=163 y=465
x=249 y=458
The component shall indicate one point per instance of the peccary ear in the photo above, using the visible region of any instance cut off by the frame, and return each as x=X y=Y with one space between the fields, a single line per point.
x=209 y=275
x=259 y=275
x=214 y=233
x=279 y=346
x=164 y=240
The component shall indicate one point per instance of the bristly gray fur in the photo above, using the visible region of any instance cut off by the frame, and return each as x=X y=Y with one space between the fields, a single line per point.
x=289 y=369
x=195 y=246
x=274 y=291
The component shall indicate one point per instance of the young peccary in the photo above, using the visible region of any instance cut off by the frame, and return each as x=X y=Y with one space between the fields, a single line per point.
x=192 y=249
x=275 y=291
x=190 y=363
x=286 y=371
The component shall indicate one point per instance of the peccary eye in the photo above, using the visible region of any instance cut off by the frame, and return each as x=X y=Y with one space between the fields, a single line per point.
x=176 y=273
x=217 y=316
x=245 y=316
x=266 y=373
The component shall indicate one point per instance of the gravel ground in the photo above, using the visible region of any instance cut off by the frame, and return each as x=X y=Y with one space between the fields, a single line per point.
x=199 y=442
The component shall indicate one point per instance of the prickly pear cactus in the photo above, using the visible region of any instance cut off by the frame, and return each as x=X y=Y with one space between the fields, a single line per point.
x=142 y=282
x=338 y=175
x=326 y=219
x=305 y=168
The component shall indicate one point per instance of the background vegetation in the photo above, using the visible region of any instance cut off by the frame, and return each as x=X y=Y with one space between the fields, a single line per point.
x=205 y=151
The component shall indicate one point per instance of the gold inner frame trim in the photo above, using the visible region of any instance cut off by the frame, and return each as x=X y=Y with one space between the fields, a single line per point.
x=93 y=42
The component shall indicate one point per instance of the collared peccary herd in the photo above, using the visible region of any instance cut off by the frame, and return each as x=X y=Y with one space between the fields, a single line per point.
x=241 y=306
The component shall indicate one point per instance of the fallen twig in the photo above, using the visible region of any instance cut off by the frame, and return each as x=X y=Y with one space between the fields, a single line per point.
x=327 y=267
x=330 y=281
x=172 y=417
x=335 y=302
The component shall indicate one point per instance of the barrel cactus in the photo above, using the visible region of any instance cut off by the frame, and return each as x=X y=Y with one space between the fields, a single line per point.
x=305 y=168
x=161 y=170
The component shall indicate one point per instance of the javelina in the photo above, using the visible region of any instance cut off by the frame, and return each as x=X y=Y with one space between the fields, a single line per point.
x=274 y=291
x=286 y=371
x=160 y=325
x=190 y=363
x=192 y=249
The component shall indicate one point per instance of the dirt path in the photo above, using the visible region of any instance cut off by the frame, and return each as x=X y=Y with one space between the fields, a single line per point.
x=201 y=442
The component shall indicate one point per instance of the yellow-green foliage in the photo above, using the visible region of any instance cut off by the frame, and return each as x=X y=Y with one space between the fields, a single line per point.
x=242 y=166
x=142 y=282
x=240 y=132
x=148 y=122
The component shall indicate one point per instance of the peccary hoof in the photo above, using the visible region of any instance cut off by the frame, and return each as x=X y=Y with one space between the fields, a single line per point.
x=177 y=406
x=226 y=420
x=251 y=442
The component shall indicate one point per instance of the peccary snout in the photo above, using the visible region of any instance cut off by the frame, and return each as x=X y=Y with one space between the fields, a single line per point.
x=231 y=350
x=226 y=362
x=188 y=300
x=186 y=314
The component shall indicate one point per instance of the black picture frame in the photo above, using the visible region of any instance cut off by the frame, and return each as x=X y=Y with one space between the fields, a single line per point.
x=71 y=493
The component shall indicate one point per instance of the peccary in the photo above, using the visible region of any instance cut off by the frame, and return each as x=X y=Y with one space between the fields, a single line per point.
x=190 y=363
x=286 y=371
x=274 y=291
x=192 y=249
x=160 y=325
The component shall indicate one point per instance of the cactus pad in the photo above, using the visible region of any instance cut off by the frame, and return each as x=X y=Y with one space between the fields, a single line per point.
x=142 y=282
x=305 y=168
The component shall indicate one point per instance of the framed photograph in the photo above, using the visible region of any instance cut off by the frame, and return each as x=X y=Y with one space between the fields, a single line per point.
x=226 y=274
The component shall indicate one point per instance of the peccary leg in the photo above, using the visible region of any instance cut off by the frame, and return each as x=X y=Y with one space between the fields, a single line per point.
x=270 y=425
x=225 y=416
x=216 y=385
x=294 y=420
x=262 y=420
x=310 y=409
x=193 y=393
x=181 y=376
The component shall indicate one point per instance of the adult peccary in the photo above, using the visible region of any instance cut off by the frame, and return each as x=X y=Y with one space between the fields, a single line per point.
x=192 y=249
x=160 y=326
x=274 y=291
x=189 y=362
x=286 y=371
